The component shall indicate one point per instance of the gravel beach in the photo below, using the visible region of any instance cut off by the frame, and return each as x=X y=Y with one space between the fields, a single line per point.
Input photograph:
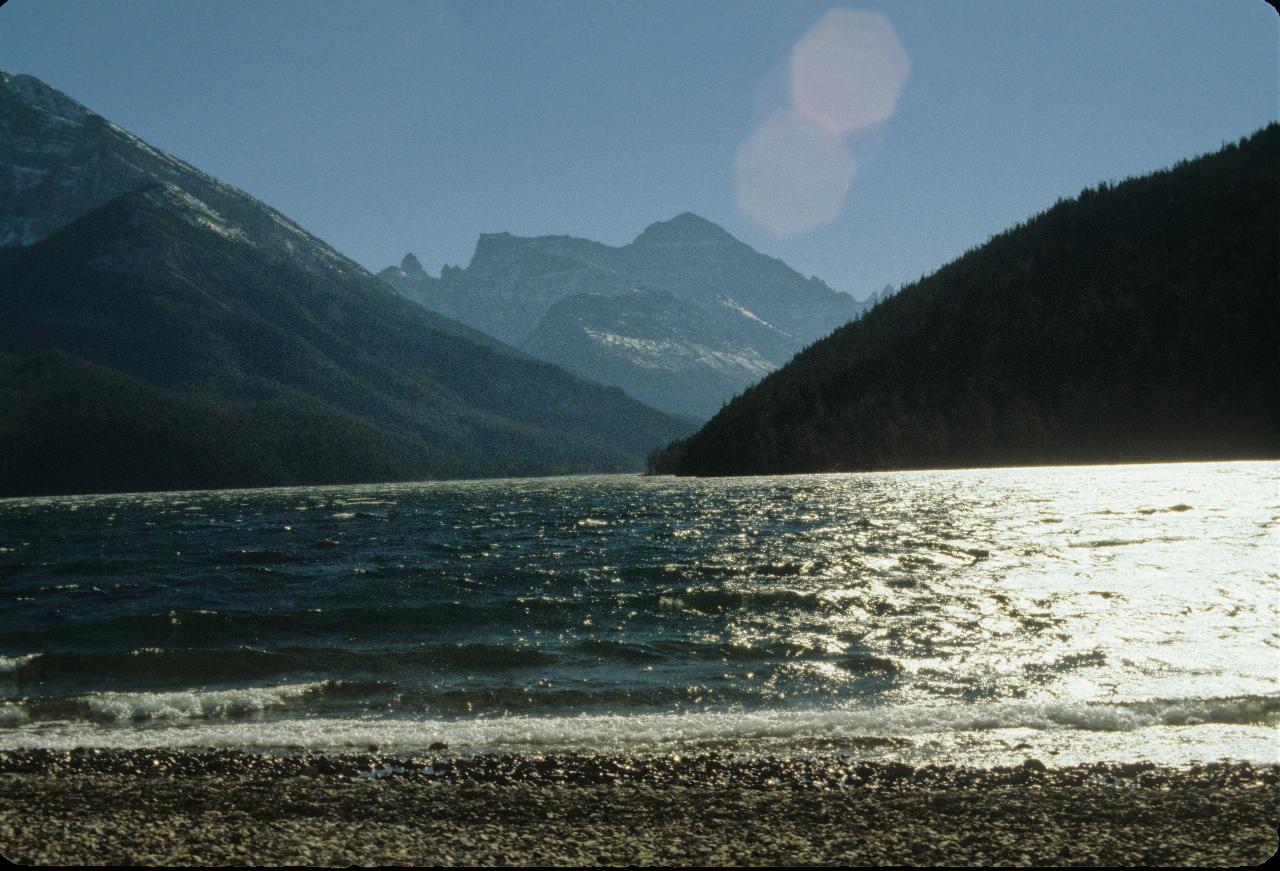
x=226 y=808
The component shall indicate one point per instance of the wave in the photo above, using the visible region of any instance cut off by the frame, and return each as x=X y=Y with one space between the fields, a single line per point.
x=366 y=700
x=207 y=627
x=12 y=664
x=261 y=557
x=149 y=666
x=713 y=600
x=592 y=664
x=113 y=707
x=224 y=719
x=681 y=651
x=1123 y=542
x=195 y=705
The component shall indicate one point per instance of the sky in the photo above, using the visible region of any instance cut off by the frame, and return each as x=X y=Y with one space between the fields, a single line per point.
x=865 y=143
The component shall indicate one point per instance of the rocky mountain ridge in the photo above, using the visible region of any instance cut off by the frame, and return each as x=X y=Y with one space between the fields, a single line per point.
x=525 y=290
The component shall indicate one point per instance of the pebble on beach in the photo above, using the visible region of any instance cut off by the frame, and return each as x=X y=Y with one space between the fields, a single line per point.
x=158 y=807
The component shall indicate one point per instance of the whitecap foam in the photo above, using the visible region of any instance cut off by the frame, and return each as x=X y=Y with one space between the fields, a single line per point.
x=15 y=663
x=12 y=715
x=118 y=706
x=1173 y=731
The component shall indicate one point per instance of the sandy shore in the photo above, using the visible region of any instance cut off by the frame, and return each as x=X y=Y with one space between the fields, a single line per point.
x=226 y=808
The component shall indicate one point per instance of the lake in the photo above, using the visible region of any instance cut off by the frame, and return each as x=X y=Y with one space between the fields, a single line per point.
x=975 y=616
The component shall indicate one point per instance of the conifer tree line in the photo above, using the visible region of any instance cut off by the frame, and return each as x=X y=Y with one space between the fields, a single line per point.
x=1138 y=321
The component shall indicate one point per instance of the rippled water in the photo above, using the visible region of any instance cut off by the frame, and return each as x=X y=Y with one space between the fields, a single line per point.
x=981 y=616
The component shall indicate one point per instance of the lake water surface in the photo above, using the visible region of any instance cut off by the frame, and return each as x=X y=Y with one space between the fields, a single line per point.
x=979 y=616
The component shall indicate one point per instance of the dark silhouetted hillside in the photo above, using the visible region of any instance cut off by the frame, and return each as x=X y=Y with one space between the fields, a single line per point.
x=1136 y=322
x=70 y=426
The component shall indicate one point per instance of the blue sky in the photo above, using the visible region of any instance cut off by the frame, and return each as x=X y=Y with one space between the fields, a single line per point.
x=386 y=126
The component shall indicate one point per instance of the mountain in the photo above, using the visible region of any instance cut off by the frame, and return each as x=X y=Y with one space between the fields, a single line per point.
x=70 y=426
x=149 y=279
x=666 y=352
x=63 y=161
x=410 y=279
x=1136 y=322
x=514 y=288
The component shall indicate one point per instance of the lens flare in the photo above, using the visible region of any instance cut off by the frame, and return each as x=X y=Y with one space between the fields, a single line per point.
x=846 y=74
x=848 y=71
x=792 y=174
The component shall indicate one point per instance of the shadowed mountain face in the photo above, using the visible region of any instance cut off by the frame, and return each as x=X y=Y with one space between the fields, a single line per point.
x=65 y=161
x=1137 y=322
x=186 y=293
x=714 y=308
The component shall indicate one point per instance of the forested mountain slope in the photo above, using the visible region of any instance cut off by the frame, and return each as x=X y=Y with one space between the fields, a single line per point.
x=1136 y=322
x=193 y=302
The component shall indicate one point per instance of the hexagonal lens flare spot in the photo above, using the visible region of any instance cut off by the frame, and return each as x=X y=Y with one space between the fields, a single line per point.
x=848 y=71
x=792 y=174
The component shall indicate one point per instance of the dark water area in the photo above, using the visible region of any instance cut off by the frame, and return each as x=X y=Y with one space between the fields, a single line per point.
x=927 y=614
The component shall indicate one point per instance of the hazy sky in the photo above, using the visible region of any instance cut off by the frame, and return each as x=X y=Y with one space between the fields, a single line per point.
x=386 y=126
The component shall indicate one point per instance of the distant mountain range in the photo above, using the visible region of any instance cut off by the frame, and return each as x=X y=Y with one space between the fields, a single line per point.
x=683 y=318
x=1136 y=322
x=162 y=329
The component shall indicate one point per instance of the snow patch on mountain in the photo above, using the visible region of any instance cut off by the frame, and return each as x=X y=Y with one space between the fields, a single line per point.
x=672 y=356
x=729 y=303
x=197 y=213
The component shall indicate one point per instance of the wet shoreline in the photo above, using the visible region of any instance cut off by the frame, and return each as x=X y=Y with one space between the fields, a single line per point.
x=225 y=807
